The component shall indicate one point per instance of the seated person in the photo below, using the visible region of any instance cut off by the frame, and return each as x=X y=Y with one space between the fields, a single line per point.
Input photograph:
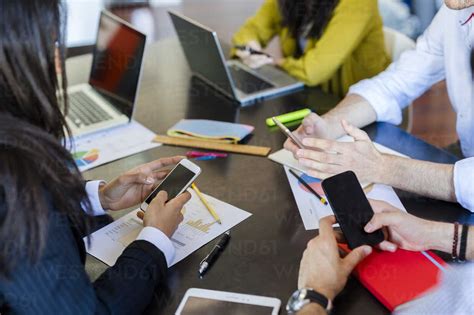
x=441 y=53
x=332 y=43
x=324 y=271
x=45 y=205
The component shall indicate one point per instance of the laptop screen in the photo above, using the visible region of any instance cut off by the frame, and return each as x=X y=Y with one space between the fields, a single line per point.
x=117 y=62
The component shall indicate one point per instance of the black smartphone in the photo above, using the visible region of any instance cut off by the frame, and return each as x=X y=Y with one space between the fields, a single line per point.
x=351 y=208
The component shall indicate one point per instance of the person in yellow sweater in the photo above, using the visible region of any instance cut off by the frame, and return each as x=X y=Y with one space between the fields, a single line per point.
x=327 y=43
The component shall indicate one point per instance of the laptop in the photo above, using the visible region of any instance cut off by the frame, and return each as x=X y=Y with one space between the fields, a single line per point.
x=108 y=100
x=231 y=77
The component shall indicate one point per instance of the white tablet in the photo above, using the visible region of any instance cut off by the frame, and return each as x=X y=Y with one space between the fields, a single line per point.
x=209 y=302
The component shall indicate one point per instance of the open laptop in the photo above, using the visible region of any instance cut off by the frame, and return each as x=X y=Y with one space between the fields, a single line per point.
x=108 y=100
x=234 y=79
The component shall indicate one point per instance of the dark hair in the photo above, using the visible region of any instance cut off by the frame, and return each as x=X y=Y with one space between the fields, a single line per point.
x=298 y=14
x=36 y=171
x=30 y=32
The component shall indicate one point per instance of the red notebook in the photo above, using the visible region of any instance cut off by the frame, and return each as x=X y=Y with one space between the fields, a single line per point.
x=397 y=278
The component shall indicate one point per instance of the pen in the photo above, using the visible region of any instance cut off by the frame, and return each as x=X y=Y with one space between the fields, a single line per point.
x=196 y=154
x=210 y=259
x=251 y=50
x=305 y=184
x=206 y=204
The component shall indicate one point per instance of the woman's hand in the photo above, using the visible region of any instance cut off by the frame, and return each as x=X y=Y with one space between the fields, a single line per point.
x=405 y=231
x=322 y=268
x=254 y=61
x=165 y=216
x=334 y=157
x=135 y=185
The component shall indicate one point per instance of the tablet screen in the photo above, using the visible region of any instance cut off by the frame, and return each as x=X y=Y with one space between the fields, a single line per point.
x=198 y=306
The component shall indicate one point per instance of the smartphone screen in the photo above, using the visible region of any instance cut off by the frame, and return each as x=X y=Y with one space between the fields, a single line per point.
x=351 y=208
x=174 y=183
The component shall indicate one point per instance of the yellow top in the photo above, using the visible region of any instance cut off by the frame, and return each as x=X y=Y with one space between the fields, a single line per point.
x=350 y=49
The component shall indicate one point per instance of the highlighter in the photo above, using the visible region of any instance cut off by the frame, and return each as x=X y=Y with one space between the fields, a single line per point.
x=298 y=115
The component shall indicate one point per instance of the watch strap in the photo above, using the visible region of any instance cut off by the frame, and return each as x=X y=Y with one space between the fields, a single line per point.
x=316 y=297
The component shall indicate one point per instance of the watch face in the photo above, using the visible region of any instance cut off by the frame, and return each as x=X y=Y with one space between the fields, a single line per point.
x=297 y=301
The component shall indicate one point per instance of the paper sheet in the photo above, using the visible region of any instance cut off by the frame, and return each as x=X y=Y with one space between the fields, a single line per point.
x=312 y=210
x=102 y=147
x=197 y=229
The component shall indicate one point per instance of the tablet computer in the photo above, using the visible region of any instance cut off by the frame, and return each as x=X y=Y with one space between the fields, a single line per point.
x=210 y=302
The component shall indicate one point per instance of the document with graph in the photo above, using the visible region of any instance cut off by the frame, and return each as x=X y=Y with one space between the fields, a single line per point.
x=197 y=229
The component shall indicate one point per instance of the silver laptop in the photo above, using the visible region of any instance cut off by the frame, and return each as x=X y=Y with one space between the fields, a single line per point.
x=108 y=100
x=234 y=79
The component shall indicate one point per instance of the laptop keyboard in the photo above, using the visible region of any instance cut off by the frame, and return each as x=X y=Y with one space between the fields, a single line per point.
x=247 y=82
x=83 y=111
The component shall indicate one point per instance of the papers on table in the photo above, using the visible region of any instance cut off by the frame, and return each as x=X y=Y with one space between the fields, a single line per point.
x=312 y=210
x=197 y=229
x=102 y=147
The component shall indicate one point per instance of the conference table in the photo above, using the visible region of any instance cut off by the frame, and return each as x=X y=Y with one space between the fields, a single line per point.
x=265 y=250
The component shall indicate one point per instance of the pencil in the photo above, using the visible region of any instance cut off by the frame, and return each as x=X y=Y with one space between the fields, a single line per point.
x=208 y=206
x=305 y=184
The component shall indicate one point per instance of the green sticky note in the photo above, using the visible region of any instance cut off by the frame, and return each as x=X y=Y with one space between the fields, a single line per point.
x=298 y=115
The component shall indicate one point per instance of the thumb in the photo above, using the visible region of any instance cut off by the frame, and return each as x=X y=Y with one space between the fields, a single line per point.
x=379 y=220
x=354 y=132
x=309 y=123
x=356 y=256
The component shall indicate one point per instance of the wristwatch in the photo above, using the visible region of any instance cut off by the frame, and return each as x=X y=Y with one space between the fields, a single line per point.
x=302 y=297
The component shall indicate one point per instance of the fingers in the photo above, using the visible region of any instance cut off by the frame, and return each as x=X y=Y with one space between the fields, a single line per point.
x=309 y=122
x=379 y=220
x=325 y=226
x=330 y=169
x=180 y=200
x=356 y=256
x=291 y=146
x=142 y=177
x=161 y=198
x=356 y=133
x=141 y=214
x=160 y=163
x=318 y=156
x=380 y=206
x=387 y=246
x=327 y=145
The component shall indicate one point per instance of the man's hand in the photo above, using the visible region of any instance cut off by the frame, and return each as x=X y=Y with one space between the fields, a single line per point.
x=405 y=231
x=360 y=156
x=322 y=268
x=165 y=216
x=132 y=187
x=312 y=126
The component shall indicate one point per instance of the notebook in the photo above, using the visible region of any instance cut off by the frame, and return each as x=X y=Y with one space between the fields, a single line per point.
x=397 y=278
x=210 y=130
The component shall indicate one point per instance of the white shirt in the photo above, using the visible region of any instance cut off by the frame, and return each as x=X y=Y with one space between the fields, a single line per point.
x=442 y=52
x=149 y=234
x=453 y=296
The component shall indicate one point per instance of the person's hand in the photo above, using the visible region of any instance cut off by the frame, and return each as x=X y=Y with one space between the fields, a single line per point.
x=165 y=216
x=254 y=61
x=405 y=231
x=313 y=125
x=135 y=185
x=322 y=268
x=360 y=156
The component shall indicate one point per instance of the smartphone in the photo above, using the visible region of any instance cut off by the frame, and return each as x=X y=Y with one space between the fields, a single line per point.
x=288 y=133
x=176 y=182
x=351 y=208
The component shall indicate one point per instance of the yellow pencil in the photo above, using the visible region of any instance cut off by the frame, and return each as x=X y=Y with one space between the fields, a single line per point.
x=208 y=206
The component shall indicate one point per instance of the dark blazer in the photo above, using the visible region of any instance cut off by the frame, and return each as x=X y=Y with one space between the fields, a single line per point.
x=58 y=283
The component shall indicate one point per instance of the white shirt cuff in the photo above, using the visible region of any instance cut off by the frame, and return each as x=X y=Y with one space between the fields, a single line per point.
x=386 y=108
x=160 y=240
x=92 y=189
x=464 y=183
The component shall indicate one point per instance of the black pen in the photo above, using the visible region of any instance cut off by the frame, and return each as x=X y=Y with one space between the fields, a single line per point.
x=251 y=50
x=305 y=184
x=207 y=262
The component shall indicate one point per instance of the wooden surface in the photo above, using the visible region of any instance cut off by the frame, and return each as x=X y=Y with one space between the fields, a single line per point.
x=264 y=253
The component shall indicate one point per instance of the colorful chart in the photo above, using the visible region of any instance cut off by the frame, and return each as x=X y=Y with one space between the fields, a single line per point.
x=315 y=183
x=84 y=158
x=200 y=225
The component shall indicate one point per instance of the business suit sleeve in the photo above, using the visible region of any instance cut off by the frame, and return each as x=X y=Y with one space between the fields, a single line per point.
x=409 y=77
x=345 y=31
x=58 y=283
x=261 y=27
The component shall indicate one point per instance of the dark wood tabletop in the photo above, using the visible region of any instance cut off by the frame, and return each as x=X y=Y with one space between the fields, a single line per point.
x=265 y=250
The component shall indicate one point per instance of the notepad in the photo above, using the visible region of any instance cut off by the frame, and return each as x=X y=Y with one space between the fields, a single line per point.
x=210 y=130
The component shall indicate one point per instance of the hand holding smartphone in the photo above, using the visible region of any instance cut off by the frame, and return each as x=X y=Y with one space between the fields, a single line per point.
x=176 y=182
x=288 y=133
x=351 y=208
